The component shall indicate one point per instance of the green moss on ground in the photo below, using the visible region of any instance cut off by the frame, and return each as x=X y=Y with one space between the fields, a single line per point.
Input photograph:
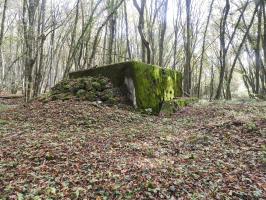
x=3 y=107
x=182 y=102
x=3 y=122
x=153 y=84
x=263 y=157
x=172 y=106
x=85 y=89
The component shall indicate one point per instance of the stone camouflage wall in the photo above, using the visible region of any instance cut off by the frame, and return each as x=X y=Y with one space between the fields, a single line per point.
x=148 y=86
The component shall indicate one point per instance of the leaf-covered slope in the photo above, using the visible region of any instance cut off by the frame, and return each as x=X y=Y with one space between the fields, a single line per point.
x=71 y=150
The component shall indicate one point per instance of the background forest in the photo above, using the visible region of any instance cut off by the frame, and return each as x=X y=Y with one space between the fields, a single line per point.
x=220 y=46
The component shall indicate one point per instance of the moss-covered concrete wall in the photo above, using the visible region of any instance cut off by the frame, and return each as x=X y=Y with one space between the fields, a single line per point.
x=148 y=86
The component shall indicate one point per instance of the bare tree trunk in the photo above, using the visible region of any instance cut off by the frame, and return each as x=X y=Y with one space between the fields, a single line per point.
x=264 y=48
x=228 y=91
x=127 y=34
x=52 y=52
x=29 y=39
x=176 y=31
x=112 y=27
x=86 y=35
x=162 y=33
x=187 y=67
x=105 y=45
x=212 y=83
x=72 y=44
x=257 y=52
x=96 y=39
x=145 y=43
x=2 y=37
x=203 y=48
x=222 y=49
x=39 y=72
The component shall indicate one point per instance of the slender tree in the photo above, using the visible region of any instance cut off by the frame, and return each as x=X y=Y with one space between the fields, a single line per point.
x=204 y=47
x=163 y=26
x=145 y=43
x=187 y=67
x=3 y=21
x=223 y=64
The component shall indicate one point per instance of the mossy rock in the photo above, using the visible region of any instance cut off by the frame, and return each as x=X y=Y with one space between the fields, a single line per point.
x=85 y=89
x=63 y=97
x=182 y=102
x=147 y=86
x=90 y=96
x=172 y=106
x=168 y=108
x=81 y=93
x=103 y=82
x=111 y=101
x=88 y=86
x=97 y=86
x=4 y=107
x=72 y=86
x=3 y=122
x=106 y=95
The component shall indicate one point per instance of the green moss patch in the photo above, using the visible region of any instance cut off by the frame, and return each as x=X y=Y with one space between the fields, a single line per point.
x=172 y=106
x=3 y=107
x=147 y=86
x=3 y=122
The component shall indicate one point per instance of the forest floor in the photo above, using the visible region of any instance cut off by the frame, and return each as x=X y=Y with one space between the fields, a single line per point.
x=81 y=150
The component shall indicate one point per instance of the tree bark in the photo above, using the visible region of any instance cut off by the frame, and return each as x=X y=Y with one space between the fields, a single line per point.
x=203 y=48
x=228 y=91
x=127 y=32
x=2 y=37
x=162 y=33
x=39 y=70
x=29 y=38
x=112 y=28
x=70 y=57
x=187 y=67
x=145 y=43
x=257 y=52
x=96 y=39
x=222 y=49
x=264 y=48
